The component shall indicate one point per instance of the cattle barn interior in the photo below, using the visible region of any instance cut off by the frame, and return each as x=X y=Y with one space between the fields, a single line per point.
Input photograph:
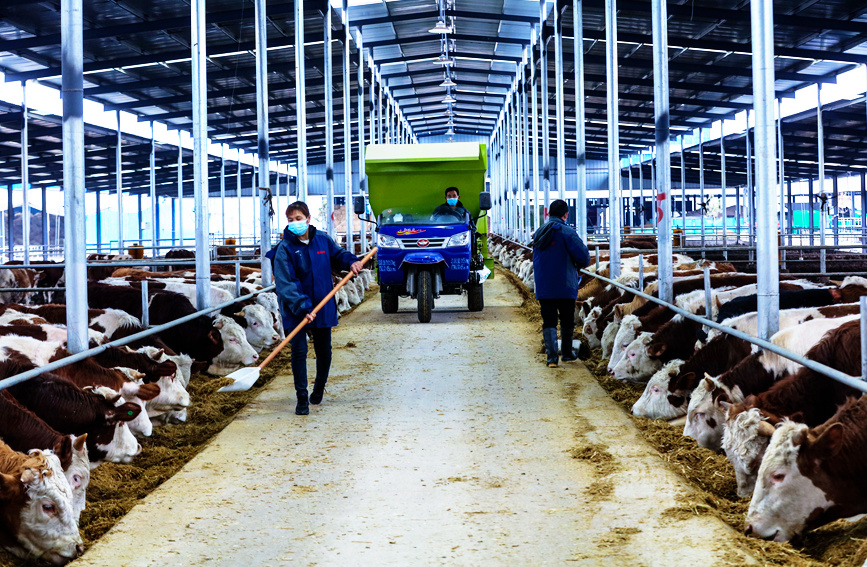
x=711 y=154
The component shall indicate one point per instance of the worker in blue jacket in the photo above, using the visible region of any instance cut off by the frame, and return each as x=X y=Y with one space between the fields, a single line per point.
x=302 y=271
x=558 y=254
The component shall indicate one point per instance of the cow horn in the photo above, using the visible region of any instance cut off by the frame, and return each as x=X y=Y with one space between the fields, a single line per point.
x=240 y=314
x=218 y=324
x=766 y=429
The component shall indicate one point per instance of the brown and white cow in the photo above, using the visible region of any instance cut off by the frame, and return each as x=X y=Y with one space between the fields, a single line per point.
x=37 y=520
x=23 y=431
x=811 y=476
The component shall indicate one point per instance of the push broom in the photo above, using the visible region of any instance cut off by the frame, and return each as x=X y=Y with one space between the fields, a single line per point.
x=246 y=377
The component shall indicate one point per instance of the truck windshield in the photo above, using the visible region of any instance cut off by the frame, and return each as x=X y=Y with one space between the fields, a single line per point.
x=442 y=214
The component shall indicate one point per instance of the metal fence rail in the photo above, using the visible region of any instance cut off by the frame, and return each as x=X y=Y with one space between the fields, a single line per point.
x=854 y=382
x=24 y=376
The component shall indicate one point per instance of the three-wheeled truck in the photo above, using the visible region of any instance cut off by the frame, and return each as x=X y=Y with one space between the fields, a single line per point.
x=425 y=252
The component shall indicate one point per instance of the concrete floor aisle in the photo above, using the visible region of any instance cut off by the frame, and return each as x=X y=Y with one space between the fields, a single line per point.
x=447 y=443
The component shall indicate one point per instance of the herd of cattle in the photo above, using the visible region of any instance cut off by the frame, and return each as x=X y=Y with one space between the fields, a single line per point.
x=58 y=426
x=796 y=438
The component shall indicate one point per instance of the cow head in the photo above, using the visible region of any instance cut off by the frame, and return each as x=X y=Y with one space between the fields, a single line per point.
x=114 y=441
x=78 y=474
x=135 y=395
x=785 y=500
x=636 y=365
x=745 y=438
x=706 y=415
x=48 y=526
x=590 y=327
x=656 y=401
x=236 y=352
x=259 y=327
x=626 y=333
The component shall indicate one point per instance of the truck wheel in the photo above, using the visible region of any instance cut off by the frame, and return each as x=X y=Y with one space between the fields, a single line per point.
x=475 y=297
x=389 y=301
x=425 y=296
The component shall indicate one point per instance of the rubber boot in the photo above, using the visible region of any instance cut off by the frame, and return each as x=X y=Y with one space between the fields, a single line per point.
x=566 y=350
x=318 y=390
x=303 y=406
x=550 y=336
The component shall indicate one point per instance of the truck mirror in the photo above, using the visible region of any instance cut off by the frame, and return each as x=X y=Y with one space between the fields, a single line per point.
x=485 y=201
x=358 y=205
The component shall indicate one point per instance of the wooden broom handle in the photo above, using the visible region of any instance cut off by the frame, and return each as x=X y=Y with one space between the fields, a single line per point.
x=316 y=309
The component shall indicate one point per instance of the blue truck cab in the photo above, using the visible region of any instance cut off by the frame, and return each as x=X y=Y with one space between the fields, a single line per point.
x=425 y=252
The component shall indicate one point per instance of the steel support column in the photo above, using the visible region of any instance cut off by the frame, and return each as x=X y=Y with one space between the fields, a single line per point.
x=525 y=146
x=537 y=213
x=264 y=193
x=45 y=223
x=301 y=100
x=782 y=178
x=180 y=208
x=701 y=187
x=25 y=176
x=613 y=109
x=581 y=144
x=72 y=64
x=118 y=180
x=767 y=267
x=329 y=131
x=200 y=153
x=723 y=185
x=362 y=181
x=98 y=228
x=543 y=98
x=663 y=151
x=222 y=195
x=823 y=195
x=153 y=192
x=558 y=102
x=10 y=217
x=347 y=129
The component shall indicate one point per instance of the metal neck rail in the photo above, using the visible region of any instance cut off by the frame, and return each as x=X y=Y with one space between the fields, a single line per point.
x=24 y=376
x=851 y=381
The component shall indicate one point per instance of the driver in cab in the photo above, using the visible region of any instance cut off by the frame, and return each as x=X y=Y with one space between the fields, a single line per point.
x=452 y=208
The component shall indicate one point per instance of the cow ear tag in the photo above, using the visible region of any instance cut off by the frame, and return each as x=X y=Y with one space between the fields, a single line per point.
x=129 y=412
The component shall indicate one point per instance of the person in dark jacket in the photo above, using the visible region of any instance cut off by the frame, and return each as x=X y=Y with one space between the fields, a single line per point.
x=452 y=208
x=558 y=254
x=302 y=271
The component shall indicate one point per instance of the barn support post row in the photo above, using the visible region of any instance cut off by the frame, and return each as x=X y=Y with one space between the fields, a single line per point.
x=347 y=146
x=543 y=99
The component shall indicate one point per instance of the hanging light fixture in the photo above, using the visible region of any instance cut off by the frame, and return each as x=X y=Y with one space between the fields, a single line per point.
x=449 y=99
x=450 y=132
x=444 y=60
x=448 y=82
x=441 y=27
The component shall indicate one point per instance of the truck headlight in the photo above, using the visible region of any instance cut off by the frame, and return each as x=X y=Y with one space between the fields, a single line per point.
x=460 y=239
x=386 y=241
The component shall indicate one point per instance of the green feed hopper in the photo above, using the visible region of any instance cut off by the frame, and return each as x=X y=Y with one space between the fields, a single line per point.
x=415 y=176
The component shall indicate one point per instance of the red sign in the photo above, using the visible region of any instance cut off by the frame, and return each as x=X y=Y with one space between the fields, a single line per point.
x=422 y=243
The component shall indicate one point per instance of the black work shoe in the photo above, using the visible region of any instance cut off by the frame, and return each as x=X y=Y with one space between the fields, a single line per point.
x=303 y=407
x=316 y=395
